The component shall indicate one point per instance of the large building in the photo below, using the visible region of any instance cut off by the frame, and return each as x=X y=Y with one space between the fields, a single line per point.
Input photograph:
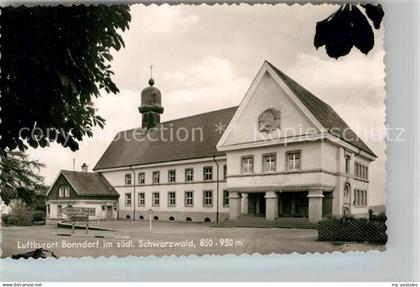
x=281 y=153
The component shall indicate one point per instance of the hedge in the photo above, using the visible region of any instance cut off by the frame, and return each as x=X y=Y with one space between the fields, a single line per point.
x=353 y=230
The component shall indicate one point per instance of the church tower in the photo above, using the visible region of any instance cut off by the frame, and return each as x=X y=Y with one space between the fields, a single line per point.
x=150 y=107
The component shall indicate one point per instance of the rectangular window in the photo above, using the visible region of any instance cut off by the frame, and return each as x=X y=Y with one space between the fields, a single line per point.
x=61 y=192
x=208 y=198
x=141 y=199
x=156 y=177
x=360 y=171
x=247 y=164
x=225 y=198
x=59 y=211
x=293 y=160
x=141 y=178
x=155 y=199
x=189 y=198
x=128 y=178
x=189 y=174
x=269 y=163
x=171 y=175
x=171 y=199
x=128 y=199
x=92 y=211
x=208 y=173
x=347 y=158
x=67 y=192
x=224 y=171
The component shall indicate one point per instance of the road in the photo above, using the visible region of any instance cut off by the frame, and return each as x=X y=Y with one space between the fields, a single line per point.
x=169 y=238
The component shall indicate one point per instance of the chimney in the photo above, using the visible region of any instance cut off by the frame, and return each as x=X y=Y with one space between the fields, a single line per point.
x=84 y=167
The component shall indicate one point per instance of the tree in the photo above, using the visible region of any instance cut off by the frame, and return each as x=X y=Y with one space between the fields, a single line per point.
x=54 y=62
x=18 y=176
x=348 y=27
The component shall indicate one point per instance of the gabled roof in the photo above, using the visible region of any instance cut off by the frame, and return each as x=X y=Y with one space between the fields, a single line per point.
x=89 y=183
x=324 y=113
x=141 y=149
x=134 y=147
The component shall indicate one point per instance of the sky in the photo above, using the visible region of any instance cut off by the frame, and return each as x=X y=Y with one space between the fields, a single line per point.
x=205 y=58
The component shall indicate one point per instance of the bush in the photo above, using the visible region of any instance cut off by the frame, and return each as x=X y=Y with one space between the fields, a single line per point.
x=38 y=215
x=381 y=217
x=20 y=215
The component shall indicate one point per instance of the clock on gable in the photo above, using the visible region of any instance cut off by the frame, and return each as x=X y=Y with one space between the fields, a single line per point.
x=269 y=120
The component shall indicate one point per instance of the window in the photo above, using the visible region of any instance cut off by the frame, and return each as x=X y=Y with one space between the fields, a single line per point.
x=189 y=174
x=247 y=164
x=141 y=178
x=269 y=163
x=360 y=198
x=128 y=199
x=171 y=199
x=224 y=171
x=208 y=173
x=59 y=211
x=208 y=198
x=293 y=160
x=225 y=198
x=64 y=191
x=347 y=158
x=189 y=198
x=171 y=175
x=156 y=177
x=360 y=171
x=155 y=199
x=128 y=178
x=92 y=211
x=141 y=199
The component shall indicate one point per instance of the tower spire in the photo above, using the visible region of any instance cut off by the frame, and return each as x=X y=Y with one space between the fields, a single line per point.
x=151 y=104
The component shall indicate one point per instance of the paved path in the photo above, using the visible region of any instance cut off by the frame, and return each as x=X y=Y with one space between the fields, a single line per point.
x=203 y=239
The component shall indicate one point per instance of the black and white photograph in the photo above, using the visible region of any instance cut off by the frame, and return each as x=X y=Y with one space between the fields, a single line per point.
x=134 y=130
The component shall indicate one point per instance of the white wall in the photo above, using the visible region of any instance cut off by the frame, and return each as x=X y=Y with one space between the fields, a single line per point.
x=99 y=213
x=117 y=179
x=269 y=94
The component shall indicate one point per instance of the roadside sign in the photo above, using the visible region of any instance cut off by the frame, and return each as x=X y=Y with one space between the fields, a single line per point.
x=75 y=211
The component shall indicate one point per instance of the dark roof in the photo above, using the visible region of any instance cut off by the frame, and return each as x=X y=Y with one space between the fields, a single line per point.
x=89 y=183
x=324 y=113
x=122 y=152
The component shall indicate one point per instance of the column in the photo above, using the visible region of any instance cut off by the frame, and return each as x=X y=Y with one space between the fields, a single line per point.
x=315 y=205
x=244 y=203
x=280 y=205
x=271 y=206
x=234 y=205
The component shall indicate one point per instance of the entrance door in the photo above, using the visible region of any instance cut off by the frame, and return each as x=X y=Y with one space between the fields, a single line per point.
x=294 y=204
x=256 y=204
x=109 y=211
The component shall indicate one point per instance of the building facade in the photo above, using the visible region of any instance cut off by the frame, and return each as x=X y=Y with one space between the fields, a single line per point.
x=281 y=153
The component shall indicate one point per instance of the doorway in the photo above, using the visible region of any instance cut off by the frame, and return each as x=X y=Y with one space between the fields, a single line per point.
x=256 y=204
x=293 y=204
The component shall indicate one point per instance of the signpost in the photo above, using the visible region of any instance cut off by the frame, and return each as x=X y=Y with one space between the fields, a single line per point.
x=77 y=214
x=150 y=211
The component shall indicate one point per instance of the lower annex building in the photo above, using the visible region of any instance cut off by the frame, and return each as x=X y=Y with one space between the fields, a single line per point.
x=281 y=153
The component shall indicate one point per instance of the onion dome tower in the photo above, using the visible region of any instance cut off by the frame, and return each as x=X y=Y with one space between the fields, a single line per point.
x=150 y=107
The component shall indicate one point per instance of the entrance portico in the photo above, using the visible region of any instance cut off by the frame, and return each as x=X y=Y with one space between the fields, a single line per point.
x=274 y=204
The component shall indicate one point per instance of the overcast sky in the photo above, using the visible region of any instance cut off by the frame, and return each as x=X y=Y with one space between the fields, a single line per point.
x=205 y=58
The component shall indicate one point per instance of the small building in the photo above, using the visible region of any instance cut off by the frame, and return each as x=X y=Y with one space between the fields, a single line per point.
x=82 y=189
